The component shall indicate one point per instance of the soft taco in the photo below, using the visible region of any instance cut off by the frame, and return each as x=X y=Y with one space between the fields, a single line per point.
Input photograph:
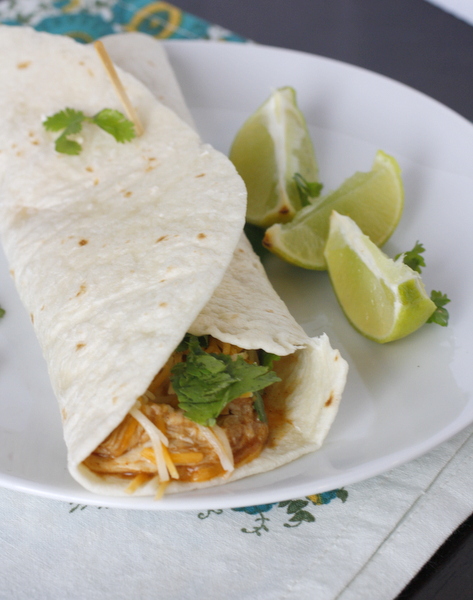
x=131 y=262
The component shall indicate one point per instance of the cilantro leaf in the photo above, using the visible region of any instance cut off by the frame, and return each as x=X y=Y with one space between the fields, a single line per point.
x=2 y=312
x=440 y=315
x=67 y=146
x=116 y=124
x=207 y=382
x=70 y=121
x=267 y=358
x=258 y=405
x=413 y=258
x=64 y=119
x=307 y=189
x=192 y=342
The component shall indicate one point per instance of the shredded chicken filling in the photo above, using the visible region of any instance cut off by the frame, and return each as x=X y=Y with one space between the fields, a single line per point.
x=128 y=451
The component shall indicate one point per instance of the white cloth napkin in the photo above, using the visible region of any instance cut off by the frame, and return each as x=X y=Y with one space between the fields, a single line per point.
x=367 y=541
x=463 y=9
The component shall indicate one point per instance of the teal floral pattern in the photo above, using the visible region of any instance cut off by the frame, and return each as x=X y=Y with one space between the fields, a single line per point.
x=298 y=511
x=87 y=20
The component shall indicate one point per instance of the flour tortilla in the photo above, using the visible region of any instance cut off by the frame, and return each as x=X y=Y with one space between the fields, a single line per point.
x=138 y=303
x=116 y=251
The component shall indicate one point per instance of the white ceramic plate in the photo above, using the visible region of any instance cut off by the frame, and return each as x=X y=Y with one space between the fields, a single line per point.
x=401 y=399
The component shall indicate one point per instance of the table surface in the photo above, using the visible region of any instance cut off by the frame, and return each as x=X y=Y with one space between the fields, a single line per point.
x=413 y=42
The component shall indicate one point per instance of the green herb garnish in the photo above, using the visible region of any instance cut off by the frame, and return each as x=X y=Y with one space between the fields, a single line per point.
x=205 y=383
x=267 y=358
x=413 y=258
x=71 y=121
x=2 y=312
x=440 y=315
x=189 y=340
x=416 y=262
x=258 y=405
x=307 y=189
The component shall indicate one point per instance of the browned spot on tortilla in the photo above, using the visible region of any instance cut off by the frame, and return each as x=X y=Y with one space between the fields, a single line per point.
x=114 y=399
x=89 y=169
x=337 y=356
x=80 y=345
x=329 y=401
x=241 y=250
x=269 y=310
x=96 y=181
x=12 y=273
x=161 y=239
x=83 y=242
x=90 y=72
x=35 y=142
x=201 y=175
x=63 y=414
x=23 y=65
x=82 y=290
x=19 y=153
x=283 y=210
x=42 y=308
x=162 y=280
x=163 y=304
x=201 y=236
x=128 y=194
x=32 y=317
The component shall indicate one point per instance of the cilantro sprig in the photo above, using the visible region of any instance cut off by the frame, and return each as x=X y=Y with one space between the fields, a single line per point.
x=206 y=382
x=440 y=315
x=413 y=258
x=307 y=189
x=70 y=122
x=416 y=262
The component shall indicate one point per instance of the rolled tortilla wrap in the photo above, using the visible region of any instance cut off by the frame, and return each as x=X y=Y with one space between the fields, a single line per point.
x=107 y=307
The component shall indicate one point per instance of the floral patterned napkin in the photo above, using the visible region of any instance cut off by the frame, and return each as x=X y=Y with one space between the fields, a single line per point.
x=365 y=541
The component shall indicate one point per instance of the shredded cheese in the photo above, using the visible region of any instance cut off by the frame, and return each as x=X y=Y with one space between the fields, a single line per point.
x=217 y=438
x=137 y=482
x=169 y=463
x=178 y=458
x=157 y=438
x=161 y=489
x=186 y=458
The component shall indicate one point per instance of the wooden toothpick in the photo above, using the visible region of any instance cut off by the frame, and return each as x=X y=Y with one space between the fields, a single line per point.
x=117 y=84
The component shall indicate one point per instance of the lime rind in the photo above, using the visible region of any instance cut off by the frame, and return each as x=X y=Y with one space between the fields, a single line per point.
x=383 y=299
x=271 y=146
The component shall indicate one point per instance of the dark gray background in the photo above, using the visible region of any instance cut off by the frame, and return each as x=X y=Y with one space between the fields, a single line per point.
x=411 y=41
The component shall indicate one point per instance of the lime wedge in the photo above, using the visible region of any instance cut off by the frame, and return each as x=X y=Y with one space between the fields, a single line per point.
x=269 y=149
x=384 y=299
x=374 y=200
